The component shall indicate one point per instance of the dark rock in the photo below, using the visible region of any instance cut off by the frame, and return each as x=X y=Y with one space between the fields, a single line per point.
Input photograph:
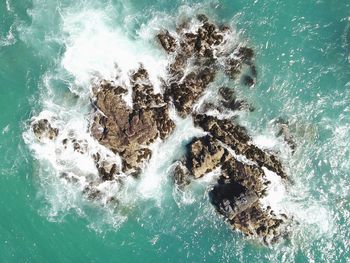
x=236 y=137
x=43 y=129
x=229 y=100
x=186 y=92
x=167 y=41
x=202 y=18
x=287 y=136
x=248 y=80
x=181 y=175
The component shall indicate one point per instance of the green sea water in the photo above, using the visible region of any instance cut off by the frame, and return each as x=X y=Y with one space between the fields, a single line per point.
x=303 y=59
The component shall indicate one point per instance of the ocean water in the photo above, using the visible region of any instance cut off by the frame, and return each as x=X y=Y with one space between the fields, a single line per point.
x=50 y=50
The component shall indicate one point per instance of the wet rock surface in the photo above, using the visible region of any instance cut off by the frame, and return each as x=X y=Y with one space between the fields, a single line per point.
x=127 y=130
x=242 y=184
x=43 y=129
x=195 y=61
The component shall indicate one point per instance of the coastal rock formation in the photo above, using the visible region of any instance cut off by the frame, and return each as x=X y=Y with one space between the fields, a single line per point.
x=237 y=193
x=43 y=129
x=198 y=52
x=236 y=137
x=129 y=130
x=197 y=55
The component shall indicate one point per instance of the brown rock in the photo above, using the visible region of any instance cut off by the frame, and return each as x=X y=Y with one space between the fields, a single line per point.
x=43 y=129
x=167 y=41
x=204 y=155
x=126 y=130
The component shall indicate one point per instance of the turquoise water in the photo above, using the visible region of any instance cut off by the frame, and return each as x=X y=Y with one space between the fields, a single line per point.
x=49 y=48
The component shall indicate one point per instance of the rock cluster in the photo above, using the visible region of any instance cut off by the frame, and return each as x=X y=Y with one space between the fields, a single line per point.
x=197 y=51
x=241 y=184
x=197 y=55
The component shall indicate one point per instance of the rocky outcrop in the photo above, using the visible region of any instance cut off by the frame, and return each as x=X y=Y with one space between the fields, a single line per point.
x=197 y=57
x=204 y=155
x=198 y=51
x=129 y=130
x=167 y=41
x=236 y=137
x=284 y=132
x=43 y=129
x=237 y=192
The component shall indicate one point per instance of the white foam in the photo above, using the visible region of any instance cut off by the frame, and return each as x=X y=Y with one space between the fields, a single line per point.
x=6 y=129
x=265 y=142
x=164 y=154
x=9 y=39
x=94 y=48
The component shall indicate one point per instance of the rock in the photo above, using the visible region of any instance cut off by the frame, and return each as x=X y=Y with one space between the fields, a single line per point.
x=287 y=136
x=181 y=175
x=241 y=56
x=202 y=18
x=43 y=129
x=186 y=92
x=126 y=130
x=236 y=137
x=167 y=41
x=246 y=54
x=202 y=51
x=255 y=221
x=203 y=156
x=241 y=185
x=248 y=81
x=249 y=176
x=231 y=199
x=196 y=57
x=229 y=101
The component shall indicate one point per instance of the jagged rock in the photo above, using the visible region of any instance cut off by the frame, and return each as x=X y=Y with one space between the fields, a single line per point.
x=204 y=155
x=186 y=92
x=241 y=185
x=200 y=48
x=196 y=57
x=287 y=136
x=43 y=129
x=234 y=63
x=167 y=41
x=238 y=191
x=231 y=198
x=181 y=175
x=230 y=101
x=248 y=81
x=236 y=137
x=249 y=176
x=257 y=222
x=126 y=130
